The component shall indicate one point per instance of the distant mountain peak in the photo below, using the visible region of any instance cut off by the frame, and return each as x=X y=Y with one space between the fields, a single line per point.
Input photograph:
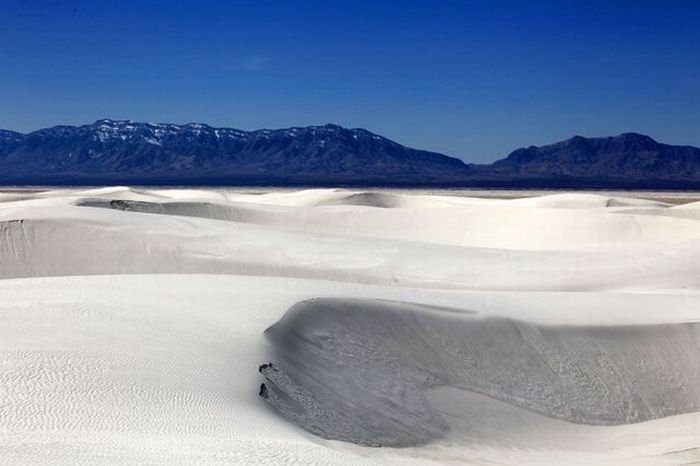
x=108 y=121
x=634 y=137
x=333 y=126
x=629 y=136
x=627 y=155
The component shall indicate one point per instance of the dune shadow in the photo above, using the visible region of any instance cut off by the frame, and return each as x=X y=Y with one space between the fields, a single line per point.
x=360 y=370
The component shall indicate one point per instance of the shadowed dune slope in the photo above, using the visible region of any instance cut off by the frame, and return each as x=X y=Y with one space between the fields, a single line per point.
x=361 y=370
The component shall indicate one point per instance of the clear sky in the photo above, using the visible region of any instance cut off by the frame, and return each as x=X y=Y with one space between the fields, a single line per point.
x=470 y=79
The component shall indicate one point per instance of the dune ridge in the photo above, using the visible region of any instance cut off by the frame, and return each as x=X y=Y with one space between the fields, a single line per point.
x=359 y=371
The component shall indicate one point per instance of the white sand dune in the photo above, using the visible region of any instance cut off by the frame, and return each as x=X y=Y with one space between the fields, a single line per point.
x=132 y=326
x=68 y=240
x=347 y=372
x=487 y=226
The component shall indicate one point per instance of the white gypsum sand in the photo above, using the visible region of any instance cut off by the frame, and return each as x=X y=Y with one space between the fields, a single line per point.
x=132 y=325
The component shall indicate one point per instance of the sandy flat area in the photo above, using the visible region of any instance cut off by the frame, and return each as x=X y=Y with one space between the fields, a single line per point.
x=404 y=327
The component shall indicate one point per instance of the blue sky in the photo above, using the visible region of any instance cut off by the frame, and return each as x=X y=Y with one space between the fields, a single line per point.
x=470 y=79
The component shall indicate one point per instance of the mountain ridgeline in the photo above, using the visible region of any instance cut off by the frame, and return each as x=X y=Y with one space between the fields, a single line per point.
x=126 y=152
x=629 y=159
x=110 y=151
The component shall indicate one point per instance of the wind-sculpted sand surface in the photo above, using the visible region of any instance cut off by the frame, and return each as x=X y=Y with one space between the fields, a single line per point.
x=360 y=370
x=560 y=329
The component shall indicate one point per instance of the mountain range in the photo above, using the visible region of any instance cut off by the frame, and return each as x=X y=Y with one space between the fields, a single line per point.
x=127 y=152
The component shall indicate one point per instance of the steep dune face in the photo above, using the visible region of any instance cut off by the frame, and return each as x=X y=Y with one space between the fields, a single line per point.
x=359 y=371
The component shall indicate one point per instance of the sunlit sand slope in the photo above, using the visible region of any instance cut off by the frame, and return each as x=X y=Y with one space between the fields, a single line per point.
x=559 y=329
